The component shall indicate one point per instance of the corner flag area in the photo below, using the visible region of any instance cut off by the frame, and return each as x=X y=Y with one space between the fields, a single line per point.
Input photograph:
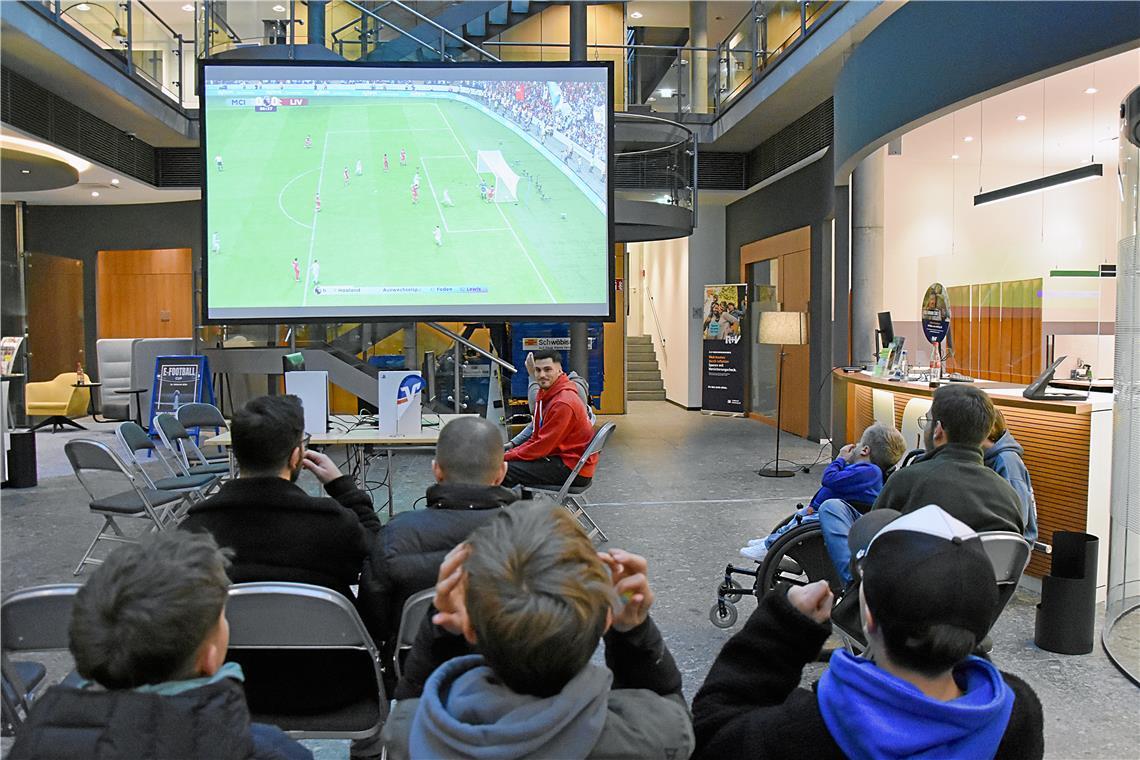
x=518 y=232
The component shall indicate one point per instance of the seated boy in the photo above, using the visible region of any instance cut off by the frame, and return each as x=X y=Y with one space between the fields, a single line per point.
x=928 y=597
x=1003 y=454
x=149 y=634
x=855 y=477
x=528 y=592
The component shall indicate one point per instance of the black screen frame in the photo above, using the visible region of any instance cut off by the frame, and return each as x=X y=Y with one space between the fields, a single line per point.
x=474 y=316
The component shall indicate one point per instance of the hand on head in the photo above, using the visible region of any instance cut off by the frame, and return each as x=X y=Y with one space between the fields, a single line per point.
x=813 y=600
x=631 y=582
x=450 y=590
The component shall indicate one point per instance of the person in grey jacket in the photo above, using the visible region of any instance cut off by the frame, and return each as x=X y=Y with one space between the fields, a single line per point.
x=580 y=384
x=1004 y=455
x=530 y=596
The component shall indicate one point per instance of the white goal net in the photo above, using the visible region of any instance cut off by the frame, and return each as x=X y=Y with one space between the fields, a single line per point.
x=506 y=181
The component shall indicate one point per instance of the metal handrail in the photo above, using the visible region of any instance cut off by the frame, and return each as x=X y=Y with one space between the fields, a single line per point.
x=445 y=30
x=441 y=53
x=625 y=116
x=656 y=321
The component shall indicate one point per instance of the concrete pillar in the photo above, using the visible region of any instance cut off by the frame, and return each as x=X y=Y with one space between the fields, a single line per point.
x=579 y=341
x=699 y=64
x=867 y=204
x=316 y=22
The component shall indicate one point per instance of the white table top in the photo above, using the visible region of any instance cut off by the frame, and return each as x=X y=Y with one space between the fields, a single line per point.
x=348 y=431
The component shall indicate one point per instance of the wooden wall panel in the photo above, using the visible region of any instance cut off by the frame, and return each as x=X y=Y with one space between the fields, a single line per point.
x=145 y=293
x=55 y=315
x=961 y=324
x=1056 y=454
x=997 y=330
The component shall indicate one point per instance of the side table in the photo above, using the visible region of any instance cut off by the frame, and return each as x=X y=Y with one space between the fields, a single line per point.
x=137 y=394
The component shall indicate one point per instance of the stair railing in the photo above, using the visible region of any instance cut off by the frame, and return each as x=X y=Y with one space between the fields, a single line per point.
x=443 y=55
x=444 y=30
x=656 y=321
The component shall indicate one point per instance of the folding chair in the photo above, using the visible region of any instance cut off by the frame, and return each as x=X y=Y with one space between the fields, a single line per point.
x=196 y=416
x=415 y=608
x=1008 y=552
x=31 y=620
x=134 y=439
x=311 y=667
x=103 y=474
x=569 y=495
x=187 y=457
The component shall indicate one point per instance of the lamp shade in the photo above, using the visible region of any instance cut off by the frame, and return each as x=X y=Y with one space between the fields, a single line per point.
x=783 y=328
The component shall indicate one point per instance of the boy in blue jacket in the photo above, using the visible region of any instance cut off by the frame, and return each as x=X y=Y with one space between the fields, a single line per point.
x=855 y=477
x=1003 y=454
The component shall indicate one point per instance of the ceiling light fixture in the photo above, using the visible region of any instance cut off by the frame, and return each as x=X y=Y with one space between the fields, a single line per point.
x=635 y=14
x=968 y=138
x=83 y=7
x=279 y=8
x=189 y=7
x=1021 y=117
x=666 y=92
x=954 y=157
x=94 y=193
x=1080 y=174
x=1091 y=91
x=43 y=149
x=115 y=182
x=25 y=171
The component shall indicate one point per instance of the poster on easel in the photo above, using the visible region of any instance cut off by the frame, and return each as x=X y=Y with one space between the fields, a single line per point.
x=9 y=347
x=724 y=358
x=179 y=380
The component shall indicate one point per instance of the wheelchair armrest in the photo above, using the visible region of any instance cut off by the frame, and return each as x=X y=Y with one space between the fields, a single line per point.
x=1042 y=548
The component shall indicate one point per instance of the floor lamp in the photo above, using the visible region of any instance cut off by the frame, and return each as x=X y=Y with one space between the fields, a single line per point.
x=781 y=328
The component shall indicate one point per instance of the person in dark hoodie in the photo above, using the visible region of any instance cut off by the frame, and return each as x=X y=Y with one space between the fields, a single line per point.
x=928 y=598
x=1004 y=455
x=951 y=473
x=528 y=592
x=468 y=468
x=562 y=431
x=149 y=637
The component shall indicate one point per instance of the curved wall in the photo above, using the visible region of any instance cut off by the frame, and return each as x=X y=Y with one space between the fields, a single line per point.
x=929 y=57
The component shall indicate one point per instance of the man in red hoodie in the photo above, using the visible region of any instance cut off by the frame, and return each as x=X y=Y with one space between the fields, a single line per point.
x=561 y=431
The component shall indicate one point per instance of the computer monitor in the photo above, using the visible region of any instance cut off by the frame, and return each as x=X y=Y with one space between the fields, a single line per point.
x=293 y=362
x=886 y=328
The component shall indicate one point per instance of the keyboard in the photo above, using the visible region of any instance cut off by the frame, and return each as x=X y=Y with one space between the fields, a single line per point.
x=957 y=377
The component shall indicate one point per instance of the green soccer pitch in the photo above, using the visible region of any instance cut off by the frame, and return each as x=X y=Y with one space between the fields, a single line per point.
x=368 y=232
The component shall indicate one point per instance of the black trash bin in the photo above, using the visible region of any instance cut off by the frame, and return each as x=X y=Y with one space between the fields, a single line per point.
x=21 y=460
x=1068 y=596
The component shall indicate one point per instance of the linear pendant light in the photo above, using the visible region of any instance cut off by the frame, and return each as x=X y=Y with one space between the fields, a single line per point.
x=1079 y=174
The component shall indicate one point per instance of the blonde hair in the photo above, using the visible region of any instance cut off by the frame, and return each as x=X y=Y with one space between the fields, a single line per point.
x=537 y=596
x=887 y=445
x=998 y=429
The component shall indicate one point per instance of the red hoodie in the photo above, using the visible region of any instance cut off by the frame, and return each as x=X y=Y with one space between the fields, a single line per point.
x=561 y=428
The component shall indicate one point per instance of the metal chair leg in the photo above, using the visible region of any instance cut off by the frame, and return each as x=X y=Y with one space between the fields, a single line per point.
x=583 y=516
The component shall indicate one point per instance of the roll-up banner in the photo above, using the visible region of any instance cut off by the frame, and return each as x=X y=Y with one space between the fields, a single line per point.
x=723 y=371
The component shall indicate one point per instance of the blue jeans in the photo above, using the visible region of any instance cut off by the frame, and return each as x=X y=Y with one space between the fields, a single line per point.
x=835 y=520
x=804 y=515
x=271 y=743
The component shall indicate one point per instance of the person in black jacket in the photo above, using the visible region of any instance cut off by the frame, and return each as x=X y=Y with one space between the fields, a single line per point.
x=149 y=637
x=276 y=531
x=468 y=469
x=928 y=597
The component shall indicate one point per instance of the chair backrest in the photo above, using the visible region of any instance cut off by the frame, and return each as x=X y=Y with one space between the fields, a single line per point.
x=113 y=358
x=201 y=415
x=883 y=406
x=103 y=473
x=911 y=432
x=173 y=435
x=415 y=608
x=597 y=443
x=36 y=619
x=134 y=439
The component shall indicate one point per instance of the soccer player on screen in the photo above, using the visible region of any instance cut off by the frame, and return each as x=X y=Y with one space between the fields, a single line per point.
x=318 y=200
x=346 y=176
x=490 y=195
x=218 y=162
x=403 y=157
x=385 y=162
x=415 y=195
x=359 y=168
x=483 y=189
x=438 y=236
x=315 y=272
x=447 y=199
x=216 y=242
x=416 y=179
x=296 y=270
x=308 y=141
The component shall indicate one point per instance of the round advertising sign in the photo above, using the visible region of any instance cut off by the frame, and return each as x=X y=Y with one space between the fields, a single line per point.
x=935 y=313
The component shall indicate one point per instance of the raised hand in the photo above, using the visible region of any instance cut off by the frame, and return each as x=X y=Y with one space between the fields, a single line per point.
x=631 y=582
x=450 y=590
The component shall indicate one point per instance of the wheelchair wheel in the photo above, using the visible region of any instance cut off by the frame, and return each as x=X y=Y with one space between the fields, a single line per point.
x=798 y=557
x=731 y=596
x=723 y=615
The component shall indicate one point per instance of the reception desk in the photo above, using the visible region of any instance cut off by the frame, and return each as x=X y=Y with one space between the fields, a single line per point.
x=1068 y=449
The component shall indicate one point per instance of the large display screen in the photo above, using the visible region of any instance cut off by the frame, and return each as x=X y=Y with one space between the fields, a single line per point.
x=392 y=192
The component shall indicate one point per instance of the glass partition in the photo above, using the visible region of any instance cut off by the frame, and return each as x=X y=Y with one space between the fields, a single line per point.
x=763 y=277
x=102 y=23
x=156 y=51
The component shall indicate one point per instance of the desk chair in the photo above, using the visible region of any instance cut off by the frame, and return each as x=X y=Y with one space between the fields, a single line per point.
x=31 y=620
x=294 y=637
x=58 y=400
x=568 y=494
x=182 y=453
x=103 y=475
x=412 y=617
x=1008 y=552
x=912 y=412
x=134 y=440
x=883 y=406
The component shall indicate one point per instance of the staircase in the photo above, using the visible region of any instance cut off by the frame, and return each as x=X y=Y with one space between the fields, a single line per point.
x=643 y=376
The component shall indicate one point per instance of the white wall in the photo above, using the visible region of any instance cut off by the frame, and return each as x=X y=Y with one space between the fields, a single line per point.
x=706 y=267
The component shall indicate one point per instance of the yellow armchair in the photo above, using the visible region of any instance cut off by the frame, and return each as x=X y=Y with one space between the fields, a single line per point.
x=58 y=400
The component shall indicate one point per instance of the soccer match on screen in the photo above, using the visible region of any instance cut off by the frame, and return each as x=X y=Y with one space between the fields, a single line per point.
x=338 y=195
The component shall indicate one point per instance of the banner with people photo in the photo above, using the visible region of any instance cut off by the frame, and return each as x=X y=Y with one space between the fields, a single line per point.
x=723 y=369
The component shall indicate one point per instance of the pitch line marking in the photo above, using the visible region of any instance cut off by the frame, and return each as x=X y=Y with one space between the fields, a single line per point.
x=313 y=237
x=427 y=176
x=281 y=195
x=504 y=216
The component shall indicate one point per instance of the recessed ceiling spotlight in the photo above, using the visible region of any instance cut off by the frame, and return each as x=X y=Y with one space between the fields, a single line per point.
x=968 y=138
x=94 y=193
x=1091 y=91
x=115 y=181
x=635 y=14
x=1021 y=117
x=25 y=171
x=279 y=9
x=83 y=7
x=189 y=7
x=954 y=157
x=666 y=92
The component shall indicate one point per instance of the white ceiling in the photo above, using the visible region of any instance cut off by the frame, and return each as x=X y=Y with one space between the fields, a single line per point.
x=723 y=15
x=1063 y=126
x=98 y=179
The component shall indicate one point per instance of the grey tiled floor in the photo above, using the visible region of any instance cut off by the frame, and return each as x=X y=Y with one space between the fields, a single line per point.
x=678 y=487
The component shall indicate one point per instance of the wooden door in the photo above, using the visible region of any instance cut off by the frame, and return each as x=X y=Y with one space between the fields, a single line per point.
x=55 y=315
x=145 y=294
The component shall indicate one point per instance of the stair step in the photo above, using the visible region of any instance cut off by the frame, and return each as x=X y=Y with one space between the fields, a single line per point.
x=646 y=395
x=646 y=385
x=644 y=375
x=634 y=365
x=635 y=340
x=641 y=351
